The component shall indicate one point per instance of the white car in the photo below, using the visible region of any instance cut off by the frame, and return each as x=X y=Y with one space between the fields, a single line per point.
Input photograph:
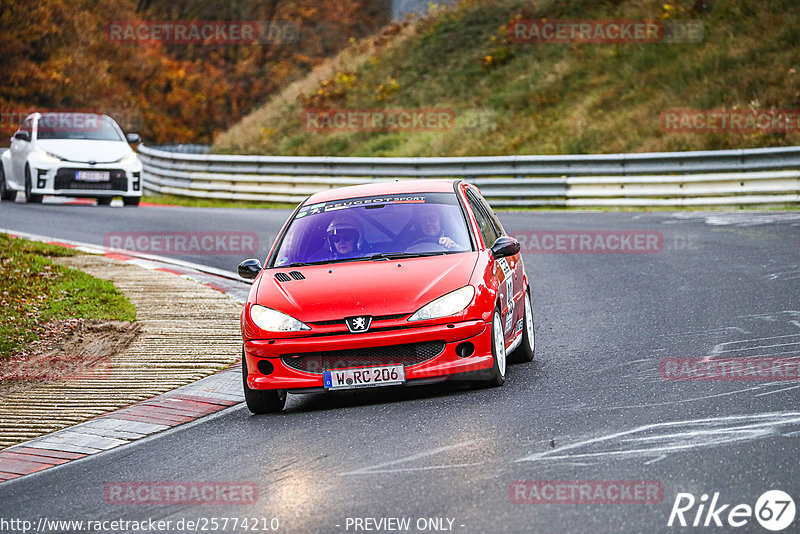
x=71 y=154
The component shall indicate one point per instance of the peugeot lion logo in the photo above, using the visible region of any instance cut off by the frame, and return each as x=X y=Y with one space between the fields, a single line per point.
x=358 y=324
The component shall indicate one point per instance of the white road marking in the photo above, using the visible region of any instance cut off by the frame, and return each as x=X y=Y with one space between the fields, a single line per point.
x=719 y=348
x=691 y=434
x=379 y=468
x=740 y=219
x=776 y=391
x=760 y=347
x=783 y=275
x=722 y=330
x=681 y=401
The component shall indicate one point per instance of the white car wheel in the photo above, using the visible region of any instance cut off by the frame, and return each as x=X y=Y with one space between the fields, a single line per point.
x=497 y=373
x=526 y=349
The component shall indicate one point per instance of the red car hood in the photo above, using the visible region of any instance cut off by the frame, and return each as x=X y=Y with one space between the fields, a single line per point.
x=381 y=287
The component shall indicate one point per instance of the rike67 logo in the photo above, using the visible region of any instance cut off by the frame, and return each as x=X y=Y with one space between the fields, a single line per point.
x=774 y=510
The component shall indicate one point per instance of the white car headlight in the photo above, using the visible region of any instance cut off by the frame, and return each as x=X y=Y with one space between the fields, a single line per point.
x=130 y=159
x=448 y=304
x=275 y=321
x=46 y=157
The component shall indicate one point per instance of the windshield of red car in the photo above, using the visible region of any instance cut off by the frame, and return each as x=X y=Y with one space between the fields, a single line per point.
x=374 y=227
x=77 y=126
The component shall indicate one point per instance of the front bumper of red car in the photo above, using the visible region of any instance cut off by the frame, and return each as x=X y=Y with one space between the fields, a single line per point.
x=427 y=352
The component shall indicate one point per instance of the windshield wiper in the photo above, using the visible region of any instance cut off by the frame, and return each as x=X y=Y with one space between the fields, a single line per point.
x=403 y=255
x=374 y=257
x=336 y=260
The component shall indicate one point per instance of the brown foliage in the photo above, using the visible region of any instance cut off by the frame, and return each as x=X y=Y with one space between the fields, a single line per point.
x=57 y=55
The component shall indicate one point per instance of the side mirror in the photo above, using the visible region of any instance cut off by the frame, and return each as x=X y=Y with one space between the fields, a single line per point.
x=134 y=138
x=505 y=246
x=249 y=269
x=22 y=135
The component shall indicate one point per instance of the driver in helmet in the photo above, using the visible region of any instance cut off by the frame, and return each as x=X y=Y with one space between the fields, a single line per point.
x=343 y=235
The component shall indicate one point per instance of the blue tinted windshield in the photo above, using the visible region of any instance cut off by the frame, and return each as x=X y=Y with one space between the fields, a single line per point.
x=366 y=227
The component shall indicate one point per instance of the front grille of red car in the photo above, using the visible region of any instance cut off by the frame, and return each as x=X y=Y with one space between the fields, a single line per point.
x=407 y=354
x=376 y=318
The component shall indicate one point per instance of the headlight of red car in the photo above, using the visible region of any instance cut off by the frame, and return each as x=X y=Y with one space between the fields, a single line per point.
x=449 y=304
x=275 y=321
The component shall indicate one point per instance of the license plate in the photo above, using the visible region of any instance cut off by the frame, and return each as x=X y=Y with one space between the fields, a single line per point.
x=92 y=176
x=365 y=377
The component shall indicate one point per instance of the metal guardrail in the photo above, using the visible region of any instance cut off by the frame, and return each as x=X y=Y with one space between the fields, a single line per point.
x=721 y=177
x=186 y=148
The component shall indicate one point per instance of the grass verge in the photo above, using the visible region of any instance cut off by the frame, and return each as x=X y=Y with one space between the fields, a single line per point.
x=192 y=202
x=35 y=291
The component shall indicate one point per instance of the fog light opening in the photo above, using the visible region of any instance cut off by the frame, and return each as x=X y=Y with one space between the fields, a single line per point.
x=465 y=350
x=265 y=367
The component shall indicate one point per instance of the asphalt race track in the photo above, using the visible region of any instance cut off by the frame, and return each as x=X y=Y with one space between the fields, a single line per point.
x=593 y=406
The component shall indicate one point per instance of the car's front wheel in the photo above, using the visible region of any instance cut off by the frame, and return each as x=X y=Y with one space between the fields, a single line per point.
x=30 y=198
x=527 y=349
x=5 y=192
x=130 y=201
x=262 y=401
x=104 y=201
x=497 y=374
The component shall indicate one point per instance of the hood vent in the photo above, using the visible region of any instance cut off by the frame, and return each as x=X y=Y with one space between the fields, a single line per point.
x=283 y=277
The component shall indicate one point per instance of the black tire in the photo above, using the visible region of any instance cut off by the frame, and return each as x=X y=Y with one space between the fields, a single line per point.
x=262 y=401
x=104 y=201
x=527 y=349
x=131 y=201
x=5 y=193
x=497 y=374
x=30 y=198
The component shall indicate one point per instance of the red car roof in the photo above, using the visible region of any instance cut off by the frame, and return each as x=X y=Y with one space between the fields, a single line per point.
x=385 y=188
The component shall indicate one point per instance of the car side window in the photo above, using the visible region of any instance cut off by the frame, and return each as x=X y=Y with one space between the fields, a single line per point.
x=492 y=215
x=488 y=230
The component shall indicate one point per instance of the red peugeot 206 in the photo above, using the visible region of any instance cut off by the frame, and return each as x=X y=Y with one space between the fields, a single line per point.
x=389 y=284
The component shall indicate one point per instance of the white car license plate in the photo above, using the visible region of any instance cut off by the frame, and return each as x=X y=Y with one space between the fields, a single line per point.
x=92 y=176
x=365 y=377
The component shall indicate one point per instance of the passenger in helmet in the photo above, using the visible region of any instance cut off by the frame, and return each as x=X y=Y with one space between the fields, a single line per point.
x=430 y=226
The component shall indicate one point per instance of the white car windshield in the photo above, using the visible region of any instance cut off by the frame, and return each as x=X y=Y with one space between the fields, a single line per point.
x=391 y=226
x=77 y=126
